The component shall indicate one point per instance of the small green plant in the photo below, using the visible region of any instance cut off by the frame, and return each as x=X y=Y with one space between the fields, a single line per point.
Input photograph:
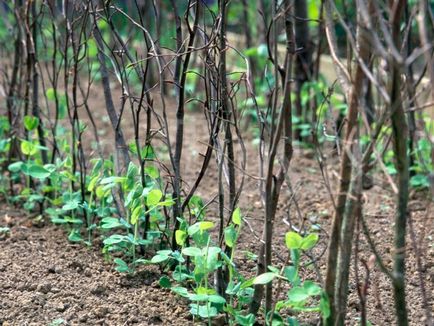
x=84 y=203
x=303 y=296
x=301 y=293
x=142 y=205
x=5 y=144
x=423 y=165
x=32 y=168
x=198 y=260
x=58 y=322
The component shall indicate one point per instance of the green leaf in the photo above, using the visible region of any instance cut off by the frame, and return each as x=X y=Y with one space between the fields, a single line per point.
x=251 y=52
x=154 y=197
x=180 y=237
x=205 y=290
x=114 y=239
x=110 y=223
x=313 y=9
x=298 y=294
x=5 y=229
x=264 y=278
x=148 y=152
x=72 y=220
x=57 y=322
x=293 y=240
x=214 y=298
x=324 y=305
x=165 y=252
x=26 y=192
x=290 y=272
x=39 y=172
x=312 y=288
x=71 y=204
x=15 y=167
x=132 y=195
x=236 y=216
x=165 y=282
x=30 y=123
x=203 y=311
x=28 y=148
x=75 y=236
x=179 y=275
x=25 y=167
x=309 y=241
x=113 y=180
x=122 y=266
x=230 y=236
x=419 y=181
x=144 y=242
x=248 y=320
x=50 y=167
x=132 y=171
x=50 y=93
x=247 y=284
x=198 y=297
x=192 y=251
x=142 y=261
x=92 y=183
x=192 y=229
x=211 y=254
x=277 y=320
x=183 y=292
x=92 y=49
x=152 y=171
x=159 y=258
x=205 y=225
x=100 y=192
x=135 y=215
x=167 y=203
x=58 y=220
x=273 y=269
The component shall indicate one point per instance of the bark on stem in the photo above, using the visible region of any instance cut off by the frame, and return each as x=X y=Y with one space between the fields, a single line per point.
x=400 y=134
x=121 y=147
x=273 y=183
x=346 y=165
x=177 y=208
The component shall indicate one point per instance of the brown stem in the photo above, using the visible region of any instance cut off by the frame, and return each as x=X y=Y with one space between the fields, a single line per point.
x=177 y=208
x=400 y=134
x=273 y=183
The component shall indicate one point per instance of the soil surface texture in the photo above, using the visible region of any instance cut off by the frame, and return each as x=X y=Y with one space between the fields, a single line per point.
x=46 y=280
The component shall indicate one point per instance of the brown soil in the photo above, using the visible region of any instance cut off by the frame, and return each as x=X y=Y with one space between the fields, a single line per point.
x=44 y=278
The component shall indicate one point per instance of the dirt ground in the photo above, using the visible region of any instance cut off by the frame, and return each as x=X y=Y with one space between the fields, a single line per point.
x=44 y=279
